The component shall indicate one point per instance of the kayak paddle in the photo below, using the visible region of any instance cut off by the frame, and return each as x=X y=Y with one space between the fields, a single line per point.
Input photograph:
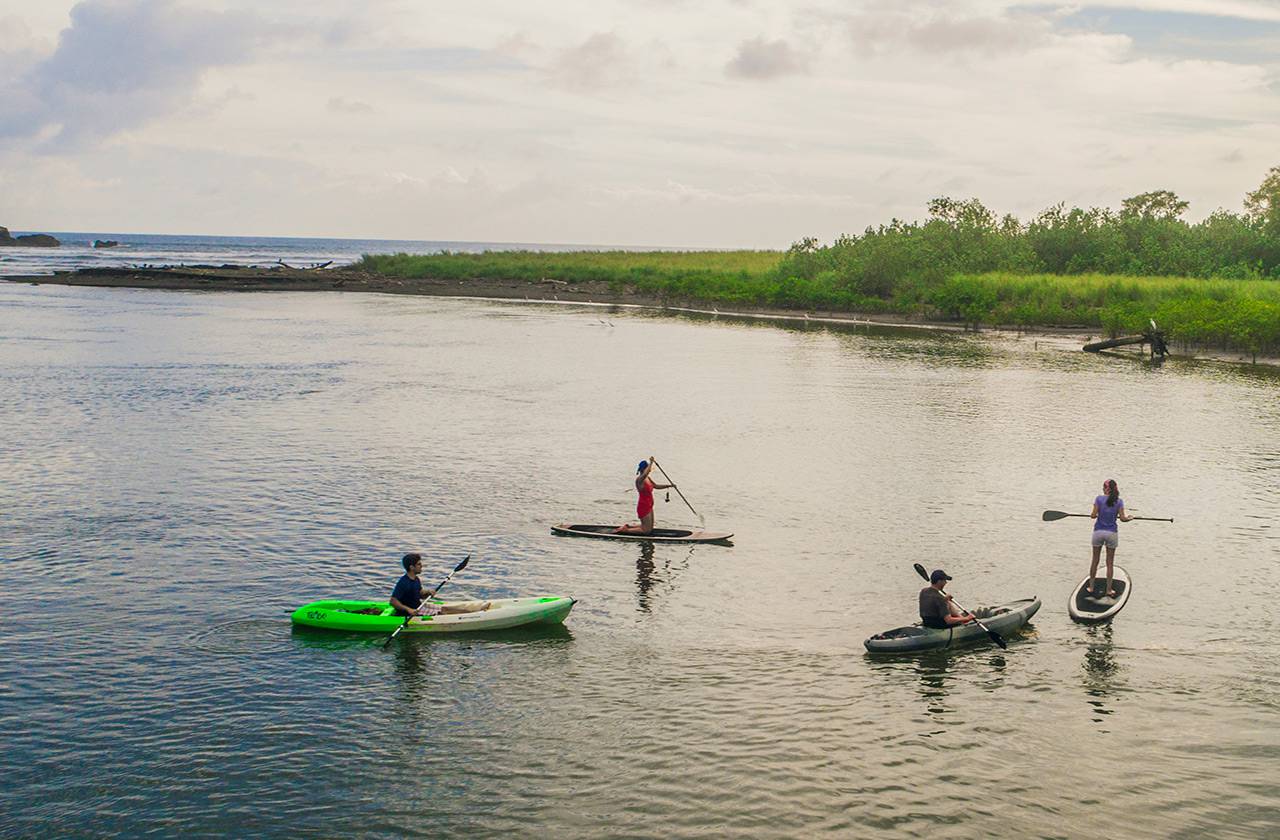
x=995 y=637
x=1054 y=515
x=408 y=617
x=701 y=519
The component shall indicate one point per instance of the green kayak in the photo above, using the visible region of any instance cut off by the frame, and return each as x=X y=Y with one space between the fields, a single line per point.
x=380 y=617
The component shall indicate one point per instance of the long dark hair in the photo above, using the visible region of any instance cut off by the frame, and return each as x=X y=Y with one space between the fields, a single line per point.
x=1113 y=492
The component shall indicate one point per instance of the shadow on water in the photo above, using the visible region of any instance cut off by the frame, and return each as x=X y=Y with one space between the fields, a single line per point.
x=1101 y=671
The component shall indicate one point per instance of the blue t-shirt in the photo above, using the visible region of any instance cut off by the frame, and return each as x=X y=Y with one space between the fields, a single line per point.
x=1106 y=520
x=408 y=592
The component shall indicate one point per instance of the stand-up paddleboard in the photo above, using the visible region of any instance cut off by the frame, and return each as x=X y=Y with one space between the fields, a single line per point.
x=1091 y=609
x=672 y=535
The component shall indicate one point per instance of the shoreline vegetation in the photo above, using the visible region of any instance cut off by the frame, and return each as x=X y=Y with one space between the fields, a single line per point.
x=1212 y=285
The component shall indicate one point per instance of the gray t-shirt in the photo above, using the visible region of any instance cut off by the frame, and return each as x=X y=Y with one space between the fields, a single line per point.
x=933 y=608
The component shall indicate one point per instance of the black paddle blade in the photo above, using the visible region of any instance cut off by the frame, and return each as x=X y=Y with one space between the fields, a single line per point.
x=998 y=639
x=1053 y=515
x=920 y=571
x=463 y=564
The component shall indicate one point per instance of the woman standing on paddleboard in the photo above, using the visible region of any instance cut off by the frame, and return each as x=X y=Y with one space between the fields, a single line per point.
x=1106 y=511
x=644 y=505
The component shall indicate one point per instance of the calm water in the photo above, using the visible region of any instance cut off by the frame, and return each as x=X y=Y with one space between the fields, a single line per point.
x=136 y=249
x=182 y=469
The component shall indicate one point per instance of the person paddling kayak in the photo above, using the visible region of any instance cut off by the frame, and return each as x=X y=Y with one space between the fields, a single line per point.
x=644 y=505
x=936 y=609
x=1106 y=510
x=408 y=596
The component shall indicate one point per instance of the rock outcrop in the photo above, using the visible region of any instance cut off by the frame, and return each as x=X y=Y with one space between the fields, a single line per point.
x=31 y=240
x=105 y=243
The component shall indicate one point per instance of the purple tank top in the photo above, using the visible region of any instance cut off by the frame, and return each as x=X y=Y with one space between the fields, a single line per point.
x=1106 y=520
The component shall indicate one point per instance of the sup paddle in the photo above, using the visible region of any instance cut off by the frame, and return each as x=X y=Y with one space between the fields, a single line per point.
x=995 y=637
x=1055 y=515
x=701 y=520
x=410 y=616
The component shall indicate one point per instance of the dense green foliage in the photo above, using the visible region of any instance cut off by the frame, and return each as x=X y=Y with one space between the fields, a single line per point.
x=1239 y=315
x=1214 y=282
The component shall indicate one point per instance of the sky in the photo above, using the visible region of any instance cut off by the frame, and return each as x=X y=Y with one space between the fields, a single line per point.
x=716 y=123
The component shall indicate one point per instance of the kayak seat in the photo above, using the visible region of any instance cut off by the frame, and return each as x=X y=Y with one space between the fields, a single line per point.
x=903 y=632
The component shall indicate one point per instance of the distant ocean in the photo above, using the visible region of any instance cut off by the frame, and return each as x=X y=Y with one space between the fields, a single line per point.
x=136 y=249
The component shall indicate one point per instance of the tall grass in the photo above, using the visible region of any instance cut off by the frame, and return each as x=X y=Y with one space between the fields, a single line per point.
x=1232 y=314
x=577 y=266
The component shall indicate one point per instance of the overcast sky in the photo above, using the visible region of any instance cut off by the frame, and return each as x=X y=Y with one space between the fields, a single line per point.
x=656 y=122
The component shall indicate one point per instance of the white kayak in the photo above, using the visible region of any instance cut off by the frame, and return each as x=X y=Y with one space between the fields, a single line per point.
x=1095 y=608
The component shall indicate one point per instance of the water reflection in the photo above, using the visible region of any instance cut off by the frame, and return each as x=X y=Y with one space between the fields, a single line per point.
x=1100 y=671
x=888 y=340
x=937 y=671
x=644 y=574
x=932 y=671
x=648 y=575
x=409 y=663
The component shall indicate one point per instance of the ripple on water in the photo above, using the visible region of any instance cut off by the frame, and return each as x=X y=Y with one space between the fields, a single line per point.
x=175 y=492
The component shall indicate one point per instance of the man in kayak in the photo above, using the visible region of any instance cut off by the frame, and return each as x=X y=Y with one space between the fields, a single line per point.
x=936 y=609
x=408 y=596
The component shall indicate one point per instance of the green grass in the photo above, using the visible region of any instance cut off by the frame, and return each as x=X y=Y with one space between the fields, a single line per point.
x=746 y=278
x=578 y=266
x=1230 y=314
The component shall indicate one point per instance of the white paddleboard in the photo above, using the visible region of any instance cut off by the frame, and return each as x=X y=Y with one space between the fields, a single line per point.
x=1091 y=609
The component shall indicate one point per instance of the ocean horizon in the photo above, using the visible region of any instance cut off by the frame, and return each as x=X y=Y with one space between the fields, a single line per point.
x=153 y=249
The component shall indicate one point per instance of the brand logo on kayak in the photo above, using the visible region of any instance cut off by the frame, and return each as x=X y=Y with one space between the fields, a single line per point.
x=315 y=615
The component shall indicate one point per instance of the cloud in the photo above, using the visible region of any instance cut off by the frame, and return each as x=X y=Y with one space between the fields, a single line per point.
x=938 y=31
x=349 y=106
x=761 y=59
x=118 y=65
x=18 y=48
x=598 y=62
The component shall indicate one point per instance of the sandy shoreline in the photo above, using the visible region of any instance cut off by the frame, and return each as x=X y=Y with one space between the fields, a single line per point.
x=284 y=279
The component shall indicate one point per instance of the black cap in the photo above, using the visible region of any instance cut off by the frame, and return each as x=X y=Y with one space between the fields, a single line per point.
x=938 y=575
x=409 y=559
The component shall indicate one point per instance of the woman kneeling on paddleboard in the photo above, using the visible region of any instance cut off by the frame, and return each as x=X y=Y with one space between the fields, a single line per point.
x=644 y=506
x=1106 y=510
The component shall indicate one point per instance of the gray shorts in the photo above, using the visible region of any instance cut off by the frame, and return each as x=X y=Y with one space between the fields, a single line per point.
x=1108 y=538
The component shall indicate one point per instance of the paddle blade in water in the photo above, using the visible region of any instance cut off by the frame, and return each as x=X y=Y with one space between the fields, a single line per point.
x=998 y=639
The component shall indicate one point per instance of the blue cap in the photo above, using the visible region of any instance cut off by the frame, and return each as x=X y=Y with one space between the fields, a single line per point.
x=642 y=466
x=938 y=575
